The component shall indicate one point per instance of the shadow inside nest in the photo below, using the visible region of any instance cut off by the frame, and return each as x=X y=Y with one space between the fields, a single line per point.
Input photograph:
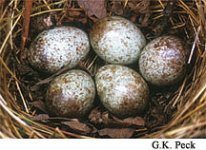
x=98 y=122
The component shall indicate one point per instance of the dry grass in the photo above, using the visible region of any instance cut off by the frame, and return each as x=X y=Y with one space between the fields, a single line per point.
x=189 y=100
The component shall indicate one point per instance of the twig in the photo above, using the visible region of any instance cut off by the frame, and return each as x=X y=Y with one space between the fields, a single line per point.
x=186 y=128
x=8 y=35
x=125 y=3
x=201 y=13
x=46 y=11
x=48 y=7
x=25 y=32
x=22 y=97
x=3 y=136
x=11 y=113
x=47 y=80
x=90 y=65
x=193 y=46
x=7 y=68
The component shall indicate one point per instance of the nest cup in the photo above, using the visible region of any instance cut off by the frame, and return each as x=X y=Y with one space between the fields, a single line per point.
x=21 y=110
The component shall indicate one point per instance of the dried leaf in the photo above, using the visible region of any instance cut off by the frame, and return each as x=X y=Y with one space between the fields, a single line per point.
x=142 y=10
x=95 y=116
x=141 y=6
x=117 y=133
x=74 y=13
x=98 y=116
x=75 y=124
x=117 y=7
x=145 y=20
x=39 y=105
x=2 y=2
x=93 y=7
x=40 y=117
x=136 y=121
x=101 y=117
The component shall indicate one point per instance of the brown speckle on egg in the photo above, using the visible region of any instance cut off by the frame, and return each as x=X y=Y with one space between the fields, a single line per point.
x=71 y=94
x=163 y=61
x=121 y=90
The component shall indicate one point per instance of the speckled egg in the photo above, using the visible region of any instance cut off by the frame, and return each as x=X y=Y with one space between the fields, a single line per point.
x=117 y=40
x=71 y=94
x=163 y=61
x=121 y=90
x=58 y=47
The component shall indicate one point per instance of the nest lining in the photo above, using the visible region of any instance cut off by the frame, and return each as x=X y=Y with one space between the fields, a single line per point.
x=21 y=110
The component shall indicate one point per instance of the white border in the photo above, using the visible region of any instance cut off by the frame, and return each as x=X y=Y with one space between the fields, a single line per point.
x=96 y=144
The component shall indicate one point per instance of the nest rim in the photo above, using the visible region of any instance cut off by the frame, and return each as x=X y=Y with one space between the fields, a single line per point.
x=190 y=95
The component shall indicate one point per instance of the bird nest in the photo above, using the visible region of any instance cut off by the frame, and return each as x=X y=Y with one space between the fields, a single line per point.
x=174 y=112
